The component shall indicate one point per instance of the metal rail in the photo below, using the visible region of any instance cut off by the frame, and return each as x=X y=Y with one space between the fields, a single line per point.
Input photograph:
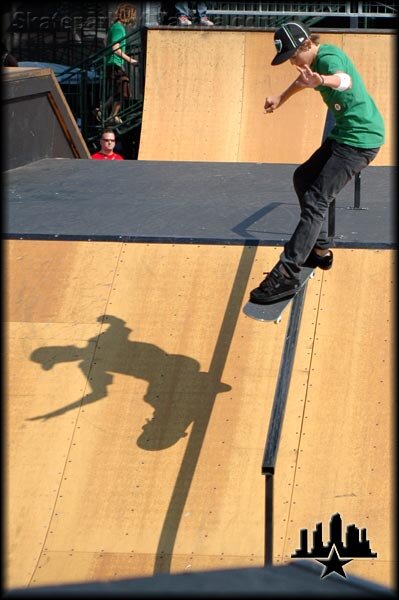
x=277 y=417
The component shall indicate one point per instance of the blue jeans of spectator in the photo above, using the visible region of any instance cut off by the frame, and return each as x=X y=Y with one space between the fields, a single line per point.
x=183 y=10
x=317 y=182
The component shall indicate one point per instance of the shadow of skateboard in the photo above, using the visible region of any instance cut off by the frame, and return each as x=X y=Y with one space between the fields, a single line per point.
x=274 y=310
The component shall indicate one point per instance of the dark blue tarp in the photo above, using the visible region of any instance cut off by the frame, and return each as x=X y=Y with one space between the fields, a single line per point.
x=71 y=77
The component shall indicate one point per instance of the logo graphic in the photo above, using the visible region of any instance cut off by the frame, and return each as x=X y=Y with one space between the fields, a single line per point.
x=334 y=555
x=279 y=45
x=337 y=106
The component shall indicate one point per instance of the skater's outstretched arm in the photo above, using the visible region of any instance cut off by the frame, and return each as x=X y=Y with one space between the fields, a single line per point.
x=274 y=102
x=99 y=385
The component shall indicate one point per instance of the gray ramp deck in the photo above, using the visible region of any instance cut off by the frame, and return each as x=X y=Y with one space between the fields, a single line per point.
x=230 y=203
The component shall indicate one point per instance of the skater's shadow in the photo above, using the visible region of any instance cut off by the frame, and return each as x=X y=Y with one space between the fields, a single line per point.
x=177 y=389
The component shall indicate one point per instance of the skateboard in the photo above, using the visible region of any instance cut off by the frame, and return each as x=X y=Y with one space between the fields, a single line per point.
x=273 y=311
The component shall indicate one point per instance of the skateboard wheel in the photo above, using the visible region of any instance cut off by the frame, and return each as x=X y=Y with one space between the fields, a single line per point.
x=278 y=320
x=312 y=275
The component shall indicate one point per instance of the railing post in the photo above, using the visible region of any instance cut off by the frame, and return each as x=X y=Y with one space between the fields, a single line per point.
x=329 y=124
x=269 y=481
x=83 y=102
x=331 y=219
x=103 y=88
x=357 y=191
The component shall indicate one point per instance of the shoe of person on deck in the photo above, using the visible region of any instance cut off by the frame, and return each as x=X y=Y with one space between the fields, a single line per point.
x=275 y=286
x=114 y=120
x=315 y=260
x=207 y=22
x=183 y=20
x=98 y=114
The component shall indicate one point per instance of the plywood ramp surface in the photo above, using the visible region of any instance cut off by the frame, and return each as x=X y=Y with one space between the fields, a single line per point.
x=158 y=467
x=342 y=409
x=139 y=398
x=205 y=93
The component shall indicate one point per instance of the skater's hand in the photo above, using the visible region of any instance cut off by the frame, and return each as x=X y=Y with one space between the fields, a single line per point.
x=133 y=61
x=308 y=78
x=271 y=103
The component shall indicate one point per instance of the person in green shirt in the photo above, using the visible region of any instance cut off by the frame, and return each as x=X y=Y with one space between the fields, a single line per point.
x=349 y=147
x=117 y=77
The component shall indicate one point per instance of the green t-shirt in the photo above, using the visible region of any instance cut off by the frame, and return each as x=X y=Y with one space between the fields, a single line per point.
x=115 y=34
x=358 y=121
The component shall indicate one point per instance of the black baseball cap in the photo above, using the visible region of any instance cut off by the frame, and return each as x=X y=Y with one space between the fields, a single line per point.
x=287 y=40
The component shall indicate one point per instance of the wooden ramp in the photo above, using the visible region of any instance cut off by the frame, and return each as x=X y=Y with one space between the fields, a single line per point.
x=340 y=410
x=40 y=123
x=138 y=402
x=205 y=92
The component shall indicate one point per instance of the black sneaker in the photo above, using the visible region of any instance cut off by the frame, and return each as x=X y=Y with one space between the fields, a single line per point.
x=323 y=262
x=275 y=287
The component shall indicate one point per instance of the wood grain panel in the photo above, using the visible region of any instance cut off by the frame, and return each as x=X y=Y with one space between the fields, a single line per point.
x=135 y=433
x=193 y=96
x=345 y=457
x=205 y=93
x=154 y=416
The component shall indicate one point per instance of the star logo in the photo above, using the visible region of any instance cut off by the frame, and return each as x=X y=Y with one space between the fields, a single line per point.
x=333 y=563
x=356 y=546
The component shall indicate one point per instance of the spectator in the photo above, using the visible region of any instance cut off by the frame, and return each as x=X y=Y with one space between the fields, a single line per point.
x=107 y=143
x=183 y=14
x=7 y=59
x=117 y=77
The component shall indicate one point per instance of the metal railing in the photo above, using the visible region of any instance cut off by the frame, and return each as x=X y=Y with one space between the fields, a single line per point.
x=278 y=8
x=320 y=9
x=64 y=32
x=376 y=9
x=273 y=14
x=87 y=87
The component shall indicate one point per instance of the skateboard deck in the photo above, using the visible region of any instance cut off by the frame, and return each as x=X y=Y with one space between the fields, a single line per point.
x=274 y=310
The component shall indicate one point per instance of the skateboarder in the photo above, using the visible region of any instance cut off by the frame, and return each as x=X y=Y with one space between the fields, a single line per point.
x=349 y=147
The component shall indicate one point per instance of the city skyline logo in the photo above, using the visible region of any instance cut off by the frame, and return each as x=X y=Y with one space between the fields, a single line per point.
x=335 y=554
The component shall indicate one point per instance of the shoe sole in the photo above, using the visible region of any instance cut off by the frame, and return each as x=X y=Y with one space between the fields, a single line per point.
x=314 y=266
x=276 y=298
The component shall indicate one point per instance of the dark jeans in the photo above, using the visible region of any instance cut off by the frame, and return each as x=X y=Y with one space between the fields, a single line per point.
x=317 y=182
x=183 y=9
